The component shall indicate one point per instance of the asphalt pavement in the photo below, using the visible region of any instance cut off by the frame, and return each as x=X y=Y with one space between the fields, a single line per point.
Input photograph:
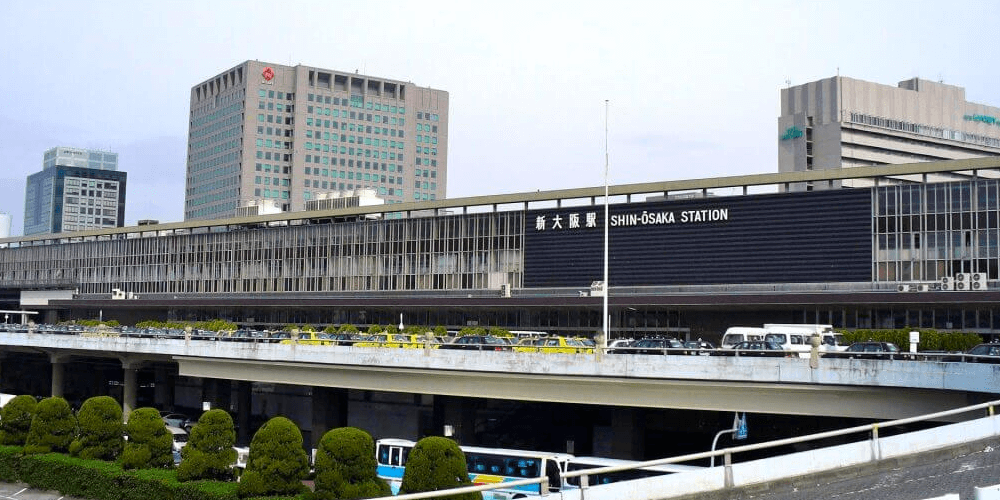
x=928 y=475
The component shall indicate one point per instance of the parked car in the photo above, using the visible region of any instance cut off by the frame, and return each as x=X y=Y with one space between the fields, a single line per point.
x=868 y=350
x=699 y=347
x=311 y=338
x=652 y=346
x=177 y=420
x=478 y=343
x=757 y=348
x=396 y=341
x=984 y=353
x=344 y=338
x=553 y=345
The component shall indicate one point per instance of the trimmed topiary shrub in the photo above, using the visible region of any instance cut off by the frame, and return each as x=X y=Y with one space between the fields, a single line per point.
x=346 y=468
x=149 y=443
x=277 y=463
x=15 y=420
x=53 y=427
x=209 y=453
x=101 y=435
x=436 y=463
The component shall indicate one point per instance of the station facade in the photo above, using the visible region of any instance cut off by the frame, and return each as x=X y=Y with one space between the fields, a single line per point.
x=686 y=258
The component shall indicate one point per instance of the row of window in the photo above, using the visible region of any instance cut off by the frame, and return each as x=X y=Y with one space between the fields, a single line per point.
x=272 y=94
x=271 y=193
x=356 y=103
x=925 y=130
x=355 y=139
x=315 y=183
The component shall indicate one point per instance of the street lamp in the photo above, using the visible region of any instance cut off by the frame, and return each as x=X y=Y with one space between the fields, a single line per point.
x=604 y=337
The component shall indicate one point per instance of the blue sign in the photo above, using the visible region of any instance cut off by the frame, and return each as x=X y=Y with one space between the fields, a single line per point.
x=741 y=428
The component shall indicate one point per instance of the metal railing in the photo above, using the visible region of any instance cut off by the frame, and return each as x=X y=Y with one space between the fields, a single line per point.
x=726 y=453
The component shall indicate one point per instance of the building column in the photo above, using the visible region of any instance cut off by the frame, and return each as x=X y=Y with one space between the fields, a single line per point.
x=244 y=407
x=329 y=411
x=456 y=415
x=130 y=384
x=628 y=433
x=163 y=390
x=58 y=373
x=217 y=392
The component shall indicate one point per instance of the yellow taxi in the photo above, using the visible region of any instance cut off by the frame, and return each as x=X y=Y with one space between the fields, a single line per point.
x=562 y=345
x=396 y=340
x=312 y=338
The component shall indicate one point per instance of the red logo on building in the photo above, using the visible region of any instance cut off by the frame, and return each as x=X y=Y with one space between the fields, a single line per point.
x=268 y=73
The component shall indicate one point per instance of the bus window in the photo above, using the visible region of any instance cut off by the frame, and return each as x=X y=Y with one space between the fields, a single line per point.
x=554 y=475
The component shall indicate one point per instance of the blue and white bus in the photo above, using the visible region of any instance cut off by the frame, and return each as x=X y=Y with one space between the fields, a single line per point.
x=486 y=466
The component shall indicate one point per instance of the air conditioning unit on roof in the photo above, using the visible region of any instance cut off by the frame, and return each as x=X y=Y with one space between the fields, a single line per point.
x=903 y=288
x=923 y=288
x=947 y=283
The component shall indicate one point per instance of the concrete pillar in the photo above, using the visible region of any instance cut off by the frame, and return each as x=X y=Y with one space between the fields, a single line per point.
x=244 y=407
x=130 y=387
x=329 y=411
x=163 y=392
x=458 y=416
x=58 y=373
x=217 y=392
x=629 y=433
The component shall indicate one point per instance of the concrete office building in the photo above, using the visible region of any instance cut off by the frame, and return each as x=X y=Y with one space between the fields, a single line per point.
x=77 y=189
x=286 y=134
x=842 y=122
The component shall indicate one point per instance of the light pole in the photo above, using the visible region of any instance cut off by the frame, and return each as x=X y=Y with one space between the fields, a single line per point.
x=604 y=337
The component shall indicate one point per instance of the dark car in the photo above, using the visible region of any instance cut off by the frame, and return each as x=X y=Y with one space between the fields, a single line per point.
x=868 y=350
x=652 y=346
x=984 y=353
x=478 y=343
x=344 y=338
x=698 y=347
x=759 y=348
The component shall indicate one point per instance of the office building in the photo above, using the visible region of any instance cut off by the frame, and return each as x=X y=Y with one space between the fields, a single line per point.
x=264 y=132
x=77 y=189
x=842 y=122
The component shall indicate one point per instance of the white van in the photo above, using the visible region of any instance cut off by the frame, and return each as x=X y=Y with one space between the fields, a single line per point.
x=797 y=337
x=737 y=334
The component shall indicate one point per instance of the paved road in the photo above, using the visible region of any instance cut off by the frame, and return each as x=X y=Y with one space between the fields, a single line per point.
x=22 y=492
x=933 y=475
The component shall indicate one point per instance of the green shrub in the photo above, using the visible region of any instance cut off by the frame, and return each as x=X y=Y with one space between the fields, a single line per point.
x=440 y=331
x=15 y=419
x=347 y=329
x=472 y=330
x=374 y=329
x=436 y=463
x=277 y=462
x=930 y=340
x=149 y=443
x=101 y=435
x=346 y=468
x=330 y=329
x=209 y=453
x=53 y=427
x=500 y=332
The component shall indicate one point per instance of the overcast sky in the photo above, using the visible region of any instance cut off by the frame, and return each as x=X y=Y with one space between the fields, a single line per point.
x=693 y=86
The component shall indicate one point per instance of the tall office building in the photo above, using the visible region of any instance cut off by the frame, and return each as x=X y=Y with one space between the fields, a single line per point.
x=77 y=189
x=841 y=122
x=263 y=132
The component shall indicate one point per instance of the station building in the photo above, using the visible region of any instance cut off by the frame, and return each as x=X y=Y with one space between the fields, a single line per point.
x=919 y=247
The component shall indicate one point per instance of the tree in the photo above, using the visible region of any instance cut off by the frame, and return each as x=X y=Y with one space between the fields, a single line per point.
x=277 y=462
x=346 y=468
x=347 y=329
x=436 y=463
x=53 y=427
x=209 y=453
x=101 y=435
x=149 y=444
x=15 y=419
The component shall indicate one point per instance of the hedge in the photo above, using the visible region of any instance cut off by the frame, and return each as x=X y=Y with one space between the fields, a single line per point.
x=930 y=340
x=94 y=479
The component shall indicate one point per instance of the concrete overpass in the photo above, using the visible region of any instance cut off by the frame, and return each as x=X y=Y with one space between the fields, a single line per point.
x=837 y=387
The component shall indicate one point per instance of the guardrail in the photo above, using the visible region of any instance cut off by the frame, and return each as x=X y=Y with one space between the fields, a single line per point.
x=726 y=453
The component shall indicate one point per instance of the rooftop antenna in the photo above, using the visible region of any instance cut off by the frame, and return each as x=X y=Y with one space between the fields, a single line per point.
x=788 y=83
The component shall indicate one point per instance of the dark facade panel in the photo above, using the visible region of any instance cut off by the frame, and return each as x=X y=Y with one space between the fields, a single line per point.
x=820 y=236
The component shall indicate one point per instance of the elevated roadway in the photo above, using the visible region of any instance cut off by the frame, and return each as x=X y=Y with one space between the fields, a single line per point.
x=837 y=387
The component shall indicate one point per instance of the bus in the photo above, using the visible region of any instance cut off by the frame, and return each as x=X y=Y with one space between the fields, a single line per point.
x=485 y=466
x=583 y=463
